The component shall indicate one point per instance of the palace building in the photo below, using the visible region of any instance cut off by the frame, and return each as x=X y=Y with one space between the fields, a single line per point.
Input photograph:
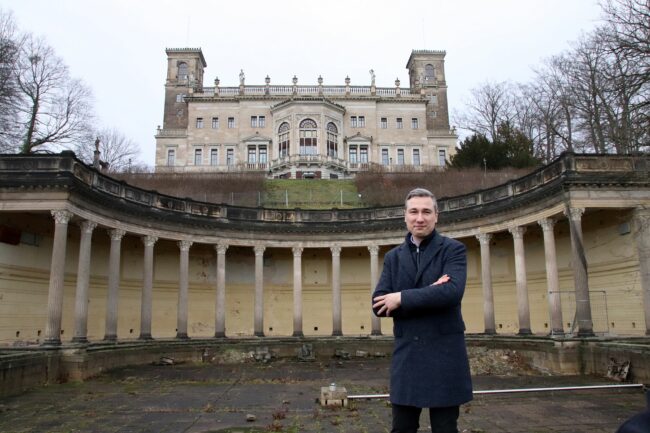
x=303 y=131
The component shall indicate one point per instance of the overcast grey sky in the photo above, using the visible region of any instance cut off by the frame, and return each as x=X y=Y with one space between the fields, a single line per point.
x=118 y=47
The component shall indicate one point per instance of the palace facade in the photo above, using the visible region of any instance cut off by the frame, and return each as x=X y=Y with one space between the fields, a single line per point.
x=303 y=131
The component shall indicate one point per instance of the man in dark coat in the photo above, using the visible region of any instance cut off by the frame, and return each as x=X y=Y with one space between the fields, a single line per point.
x=421 y=288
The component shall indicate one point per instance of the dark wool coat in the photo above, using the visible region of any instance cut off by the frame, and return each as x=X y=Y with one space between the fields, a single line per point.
x=429 y=365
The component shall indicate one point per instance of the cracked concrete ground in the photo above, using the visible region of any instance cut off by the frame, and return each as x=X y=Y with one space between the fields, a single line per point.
x=206 y=398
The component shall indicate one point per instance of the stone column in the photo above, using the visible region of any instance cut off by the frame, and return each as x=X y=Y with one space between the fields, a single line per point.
x=374 y=277
x=552 y=280
x=147 y=288
x=220 y=308
x=336 y=290
x=183 y=284
x=297 y=291
x=579 y=259
x=642 y=236
x=113 y=284
x=523 y=307
x=486 y=277
x=83 y=276
x=57 y=274
x=259 y=290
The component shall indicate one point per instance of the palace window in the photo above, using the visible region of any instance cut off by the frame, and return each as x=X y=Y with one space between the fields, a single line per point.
x=253 y=121
x=429 y=73
x=308 y=137
x=183 y=72
x=362 y=121
x=231 y=122
x=363 y=154
x=442 y=157
x=384 y=157
x=230 y=157
x=198 y=156
x=414 y=123
x=199 y=122
x=262 y=155
x=283 y=140
x=261 y=121
x=332 y=140
x=400 y=124
x=416 y=156
x=353 y=154
x=171 y=157
x=252 y=153
x=383 y=124
x=353 y=121
x=400 y=156
x=215 y=123
x=180 y=97
x=214 y=156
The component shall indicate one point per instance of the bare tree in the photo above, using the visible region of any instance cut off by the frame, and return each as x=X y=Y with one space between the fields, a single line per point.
x=10 y=45
x=119 y=152
x=490 y=105
x=56 y=108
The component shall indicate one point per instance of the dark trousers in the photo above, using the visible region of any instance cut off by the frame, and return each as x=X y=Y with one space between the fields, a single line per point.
x=406 y=419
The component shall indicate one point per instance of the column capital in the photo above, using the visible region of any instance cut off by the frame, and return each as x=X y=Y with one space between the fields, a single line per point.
x=259 y=250
x=297 y=251
x=149 y=240
x=87 y=226
x=221 y=248
x=61 y=216
x=116 y=234
x=641 y=217
x=517 y=232
x=484 y=238
x=575 y=213
x=547 y=224
x=374 y=250
x=336 y=250
x=184 y=245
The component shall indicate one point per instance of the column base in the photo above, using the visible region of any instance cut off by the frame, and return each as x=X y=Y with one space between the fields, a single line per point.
x=219 y=335
x=182 y=336
x=298 y=334
x=80 y=340
x=376 y=332
x=337 y=334
x=586 y=333
x=557 y=333
x=51 y=342
x=524 y=332
x=259 y=334
x=110 y=338
x=490 y=332
x=145 y=337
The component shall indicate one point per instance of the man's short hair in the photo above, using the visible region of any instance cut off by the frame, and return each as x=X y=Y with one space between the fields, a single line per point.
x=421 y=192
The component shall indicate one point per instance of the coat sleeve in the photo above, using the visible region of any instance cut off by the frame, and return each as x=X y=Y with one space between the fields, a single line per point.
x=385 y=285
x=442 y=295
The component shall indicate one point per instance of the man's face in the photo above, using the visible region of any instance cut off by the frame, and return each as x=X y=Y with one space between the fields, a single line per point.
x=421 y=217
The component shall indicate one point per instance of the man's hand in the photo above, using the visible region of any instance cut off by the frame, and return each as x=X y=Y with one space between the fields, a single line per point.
x=388 y=303
x=444 y=279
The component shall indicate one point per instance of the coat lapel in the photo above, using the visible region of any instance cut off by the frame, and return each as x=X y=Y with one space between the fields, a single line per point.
x=427 y=256
x=406 y=265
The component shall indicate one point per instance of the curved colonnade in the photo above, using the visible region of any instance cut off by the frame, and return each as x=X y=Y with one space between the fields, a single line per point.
x=599 y=188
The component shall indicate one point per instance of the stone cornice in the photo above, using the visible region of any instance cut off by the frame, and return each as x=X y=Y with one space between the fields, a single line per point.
x=102 y=195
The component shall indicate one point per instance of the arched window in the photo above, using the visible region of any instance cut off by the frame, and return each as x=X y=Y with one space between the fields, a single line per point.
x=332 y=140
x=308 y=137
x=429 y=73
x=183 y=72
x=283 y=140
